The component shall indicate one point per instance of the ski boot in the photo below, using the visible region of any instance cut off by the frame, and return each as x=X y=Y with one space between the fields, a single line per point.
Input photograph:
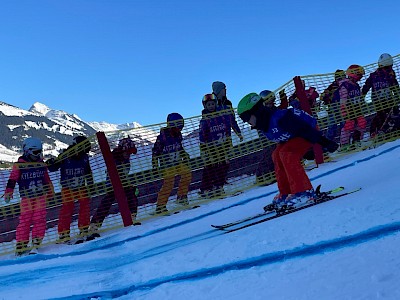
x=182 y=200
x=82 y=236
x=277 y=203
x=161 y=210
x=135 y=223
x=93 y=232
x=219 y=192
x=300 y=199
x=63 y=238
x=36 y=242
x=205 y=194
x=21 y=249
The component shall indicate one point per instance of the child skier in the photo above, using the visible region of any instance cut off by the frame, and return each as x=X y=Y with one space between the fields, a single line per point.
x=35 y=188
x=76 y=181
x=219 y=91
x=214 y=134
x=385 y=91
x=311 y=94
x=121 y=155
x=330 y=97
x=351 y=105
x=171 y=158
x=295 y=132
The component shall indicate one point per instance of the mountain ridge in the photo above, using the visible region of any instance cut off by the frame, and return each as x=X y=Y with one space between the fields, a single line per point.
x=56 y=128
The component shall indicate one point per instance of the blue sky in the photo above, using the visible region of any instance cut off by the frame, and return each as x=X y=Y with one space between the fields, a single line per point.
x=121 y=61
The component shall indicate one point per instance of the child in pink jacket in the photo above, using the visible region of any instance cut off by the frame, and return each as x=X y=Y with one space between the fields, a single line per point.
x=35 y=187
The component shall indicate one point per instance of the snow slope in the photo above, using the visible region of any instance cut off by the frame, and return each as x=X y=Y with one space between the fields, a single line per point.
x=343 y=249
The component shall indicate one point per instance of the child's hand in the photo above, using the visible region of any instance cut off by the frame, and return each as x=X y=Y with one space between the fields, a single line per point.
x=8 y=196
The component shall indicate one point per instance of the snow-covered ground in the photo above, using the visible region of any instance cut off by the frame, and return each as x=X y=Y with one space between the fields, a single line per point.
x=347 y=248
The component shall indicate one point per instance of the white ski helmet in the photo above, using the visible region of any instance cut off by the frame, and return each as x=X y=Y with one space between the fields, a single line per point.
x=385 y=60
x=32 y=146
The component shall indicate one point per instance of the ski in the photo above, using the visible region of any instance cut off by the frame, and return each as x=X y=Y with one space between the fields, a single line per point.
x=275 y=215
x=272 y=211
x=186 y=208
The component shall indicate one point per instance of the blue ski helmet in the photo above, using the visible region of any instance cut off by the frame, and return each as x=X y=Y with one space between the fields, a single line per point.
x=175 y=120
x=267 y=96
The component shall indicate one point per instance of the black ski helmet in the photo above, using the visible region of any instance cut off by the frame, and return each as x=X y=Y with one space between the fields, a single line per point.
x=175 y=120
x=83 y=142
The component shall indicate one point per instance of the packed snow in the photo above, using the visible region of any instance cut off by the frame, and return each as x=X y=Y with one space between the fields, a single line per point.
x=347 y=248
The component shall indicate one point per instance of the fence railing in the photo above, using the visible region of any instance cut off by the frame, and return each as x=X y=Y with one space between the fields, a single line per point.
x=246 y=163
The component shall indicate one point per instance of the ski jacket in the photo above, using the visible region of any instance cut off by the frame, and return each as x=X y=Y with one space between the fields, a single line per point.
x=225 y=105
x=215 y=127
x=168 y=150
x=285 y=124
x=351 y=101
x=311 y=94
x=123 y=167
x=32 y=178
x=384 y=85
x=215 y=135
x=75 y=171
x=331 y=94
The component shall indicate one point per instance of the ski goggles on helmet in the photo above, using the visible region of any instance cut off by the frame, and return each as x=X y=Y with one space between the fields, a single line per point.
x=245 y=116
x=268 y=96
x=177 y=124
x=209 y=97
x=36 y=152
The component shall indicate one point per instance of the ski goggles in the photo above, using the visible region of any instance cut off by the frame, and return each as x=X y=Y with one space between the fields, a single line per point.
x=270 y=97
x=177 y=124
x=245 y=116
x=36 y=152
x=209 y=97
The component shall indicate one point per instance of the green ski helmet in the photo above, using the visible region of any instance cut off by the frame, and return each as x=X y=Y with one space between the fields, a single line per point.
x=247 y=104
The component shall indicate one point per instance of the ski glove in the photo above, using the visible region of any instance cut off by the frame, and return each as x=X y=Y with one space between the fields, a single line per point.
x=185 y=156
x=8 y=197
x=154 y=162
x=328 y=144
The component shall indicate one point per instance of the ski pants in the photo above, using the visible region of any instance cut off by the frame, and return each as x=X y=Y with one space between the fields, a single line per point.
x=290 y=174
x=169 y=174
x=214 y=175
x=68 y=197
x=350 y=126
x=105 y=205
x=33 y=212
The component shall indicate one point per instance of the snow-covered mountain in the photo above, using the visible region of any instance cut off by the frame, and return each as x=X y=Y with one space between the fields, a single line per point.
x=141 y=135
x=104 y=126
x=55 y=128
